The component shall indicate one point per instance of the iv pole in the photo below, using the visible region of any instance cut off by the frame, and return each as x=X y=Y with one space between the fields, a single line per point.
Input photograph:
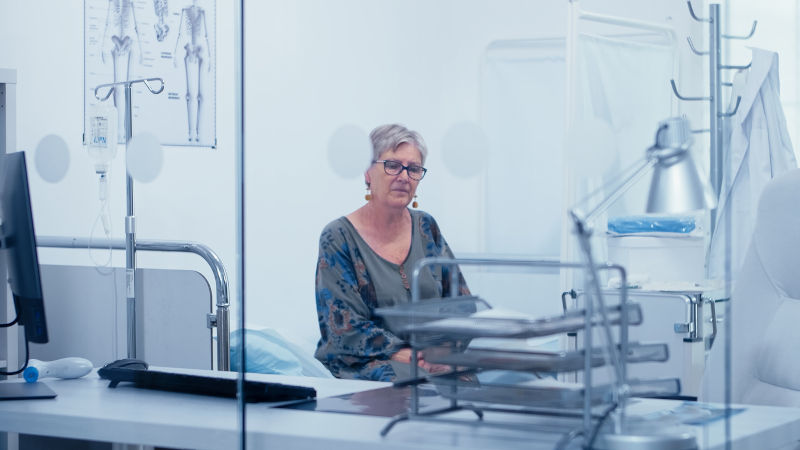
x=130 y=219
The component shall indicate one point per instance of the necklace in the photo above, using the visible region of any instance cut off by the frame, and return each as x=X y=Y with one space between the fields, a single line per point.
x=404 y=278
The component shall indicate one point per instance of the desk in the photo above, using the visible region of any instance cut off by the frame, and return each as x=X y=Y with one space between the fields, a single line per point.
x=87 y=409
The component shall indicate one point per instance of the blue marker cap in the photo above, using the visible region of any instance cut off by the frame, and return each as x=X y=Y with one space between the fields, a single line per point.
x=31 y=374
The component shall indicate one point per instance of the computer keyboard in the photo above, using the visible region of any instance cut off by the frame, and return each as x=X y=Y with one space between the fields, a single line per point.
x=255 y=391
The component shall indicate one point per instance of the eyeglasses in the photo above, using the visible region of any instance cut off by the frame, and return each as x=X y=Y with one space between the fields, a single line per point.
x=414 y=171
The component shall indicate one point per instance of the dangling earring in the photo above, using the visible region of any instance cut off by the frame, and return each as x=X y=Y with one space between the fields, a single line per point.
x=368 y=195
x=414 y=204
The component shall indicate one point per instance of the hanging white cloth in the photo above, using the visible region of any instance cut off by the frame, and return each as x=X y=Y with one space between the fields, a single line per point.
x=621 y=84
x=759 y=150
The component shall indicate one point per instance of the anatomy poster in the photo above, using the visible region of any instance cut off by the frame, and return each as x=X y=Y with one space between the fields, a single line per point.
x=174 y=40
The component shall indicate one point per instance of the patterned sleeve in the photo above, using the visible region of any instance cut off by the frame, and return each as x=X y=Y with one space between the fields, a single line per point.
x=352 y=343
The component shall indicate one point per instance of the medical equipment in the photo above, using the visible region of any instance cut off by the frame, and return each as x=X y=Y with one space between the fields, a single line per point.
x=651 y=224
x=219 y=320
x=102 y=140
x=130 y=220
x=101 y=144
x=71 y=367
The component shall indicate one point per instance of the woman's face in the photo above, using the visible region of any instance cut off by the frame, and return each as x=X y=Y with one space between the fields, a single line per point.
x=394 y=190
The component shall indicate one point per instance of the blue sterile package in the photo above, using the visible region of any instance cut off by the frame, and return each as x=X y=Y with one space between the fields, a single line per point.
x=651 y=224
x=269 y=352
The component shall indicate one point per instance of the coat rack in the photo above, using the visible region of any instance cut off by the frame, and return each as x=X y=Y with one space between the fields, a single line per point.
x=716 y=114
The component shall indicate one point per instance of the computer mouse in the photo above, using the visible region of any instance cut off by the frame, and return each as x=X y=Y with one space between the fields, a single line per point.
x=127 y=363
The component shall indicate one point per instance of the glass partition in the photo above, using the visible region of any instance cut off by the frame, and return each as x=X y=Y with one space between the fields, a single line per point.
x=488 y=87
x=132 y=194
x=187 y=226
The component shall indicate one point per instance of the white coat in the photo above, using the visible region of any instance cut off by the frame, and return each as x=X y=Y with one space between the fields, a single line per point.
x=759 y=150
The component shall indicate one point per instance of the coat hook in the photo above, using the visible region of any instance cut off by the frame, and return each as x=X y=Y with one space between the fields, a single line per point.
x=691 y=45
x=692 y=99
x=723 y=66
x=752 y=32
x=735 y=108
x=694 y=16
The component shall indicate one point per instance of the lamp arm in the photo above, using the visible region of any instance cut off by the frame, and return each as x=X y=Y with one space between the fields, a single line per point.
x=595 y=292
x=592 y=287
x=592 y=282
x=634 y=173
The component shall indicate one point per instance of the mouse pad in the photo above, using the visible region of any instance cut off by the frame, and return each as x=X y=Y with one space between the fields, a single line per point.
x=25 y=391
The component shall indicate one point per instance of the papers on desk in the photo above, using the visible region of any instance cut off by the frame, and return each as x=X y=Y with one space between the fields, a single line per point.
x=691 y=413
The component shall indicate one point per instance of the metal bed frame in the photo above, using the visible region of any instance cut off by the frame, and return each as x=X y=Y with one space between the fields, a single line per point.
x=220 y=320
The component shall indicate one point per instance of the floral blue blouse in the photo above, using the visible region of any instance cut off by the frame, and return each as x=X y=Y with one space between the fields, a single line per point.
x=352 y=281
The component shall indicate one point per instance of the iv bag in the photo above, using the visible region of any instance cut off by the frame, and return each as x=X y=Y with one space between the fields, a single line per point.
x=101 y=141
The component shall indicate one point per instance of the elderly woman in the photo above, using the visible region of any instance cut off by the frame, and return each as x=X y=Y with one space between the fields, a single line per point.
x=365 y=262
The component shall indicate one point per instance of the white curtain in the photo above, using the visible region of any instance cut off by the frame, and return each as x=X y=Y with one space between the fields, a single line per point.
x=624 y=85
x=522 y=110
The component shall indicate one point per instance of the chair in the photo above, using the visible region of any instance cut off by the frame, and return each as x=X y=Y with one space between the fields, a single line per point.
x=766 y=307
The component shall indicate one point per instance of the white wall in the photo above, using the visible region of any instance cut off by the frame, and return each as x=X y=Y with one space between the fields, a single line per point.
x=312 y=66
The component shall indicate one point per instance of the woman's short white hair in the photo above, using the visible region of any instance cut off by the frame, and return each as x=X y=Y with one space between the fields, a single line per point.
x=391 y=136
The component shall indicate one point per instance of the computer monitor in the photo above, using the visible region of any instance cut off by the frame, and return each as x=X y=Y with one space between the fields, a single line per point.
x=18 y=244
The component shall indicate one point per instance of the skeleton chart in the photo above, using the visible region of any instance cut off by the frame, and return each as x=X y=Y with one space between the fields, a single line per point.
x=171 y=39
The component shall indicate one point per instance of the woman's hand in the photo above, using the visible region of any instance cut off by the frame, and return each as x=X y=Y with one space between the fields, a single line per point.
x=404 y=356
x=434 y=369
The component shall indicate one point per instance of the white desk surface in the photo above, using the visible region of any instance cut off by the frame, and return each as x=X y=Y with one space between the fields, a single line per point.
x=87 y=409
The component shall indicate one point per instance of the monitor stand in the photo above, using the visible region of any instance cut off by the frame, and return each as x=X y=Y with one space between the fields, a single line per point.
x=25 y=391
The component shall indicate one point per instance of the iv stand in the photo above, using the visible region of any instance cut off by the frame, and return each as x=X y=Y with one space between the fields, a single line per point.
x=130 y=219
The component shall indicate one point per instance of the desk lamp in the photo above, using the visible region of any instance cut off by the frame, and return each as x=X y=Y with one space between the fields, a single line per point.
x=676 y=187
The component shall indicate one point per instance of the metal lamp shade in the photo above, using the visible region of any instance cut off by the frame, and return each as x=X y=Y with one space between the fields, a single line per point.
x=676 y=186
